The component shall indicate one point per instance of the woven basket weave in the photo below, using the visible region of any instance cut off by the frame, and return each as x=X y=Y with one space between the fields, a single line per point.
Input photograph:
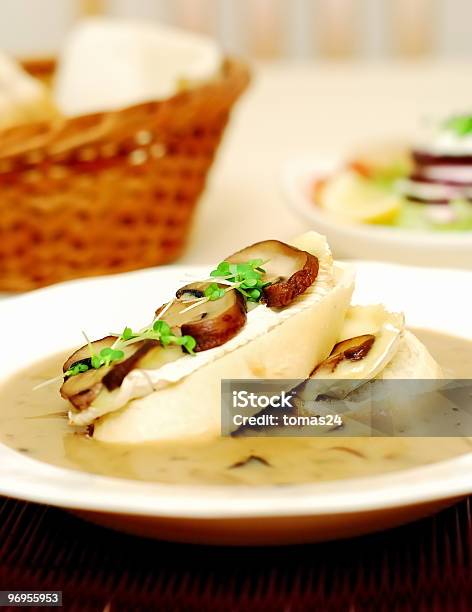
x=108 y=192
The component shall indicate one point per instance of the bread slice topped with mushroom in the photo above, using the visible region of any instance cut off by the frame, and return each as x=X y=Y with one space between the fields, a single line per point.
x=373 y=345
x=269 y=311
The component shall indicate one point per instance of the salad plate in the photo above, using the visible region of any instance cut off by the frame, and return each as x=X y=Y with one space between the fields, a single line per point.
x=372 y=241
x=260 y=514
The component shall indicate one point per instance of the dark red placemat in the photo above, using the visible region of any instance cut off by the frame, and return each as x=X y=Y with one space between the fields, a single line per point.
x=423 y=566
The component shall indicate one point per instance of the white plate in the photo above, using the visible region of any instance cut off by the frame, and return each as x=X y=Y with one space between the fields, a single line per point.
x=362 y=241
x=49 y=320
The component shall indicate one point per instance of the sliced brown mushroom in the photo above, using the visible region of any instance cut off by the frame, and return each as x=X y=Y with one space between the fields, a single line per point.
x=191 y=292
x=211 y=322
x=82 y=355
x=289 y=270
x=353 y=349
x=85 y=398
x=82 y=389
x=114 y=378
x=333 y=377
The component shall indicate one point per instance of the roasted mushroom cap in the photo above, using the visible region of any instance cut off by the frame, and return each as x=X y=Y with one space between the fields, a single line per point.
x=211 y=322
x=191 y=292
x=114 y=378
x=82 y=355
x=333 y=377
x=81 y=390
x=355 y=361
x=98 y=385
x=353 y=349
x=290 y=270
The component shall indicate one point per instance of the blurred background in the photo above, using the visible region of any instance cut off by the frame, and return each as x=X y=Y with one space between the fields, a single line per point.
x=330 y=79
x=266 y=29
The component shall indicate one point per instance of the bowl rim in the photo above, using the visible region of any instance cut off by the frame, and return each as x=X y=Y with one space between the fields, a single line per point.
x=32 y=480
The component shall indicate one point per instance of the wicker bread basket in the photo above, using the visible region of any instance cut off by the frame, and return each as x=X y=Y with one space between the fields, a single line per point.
x=107 y=192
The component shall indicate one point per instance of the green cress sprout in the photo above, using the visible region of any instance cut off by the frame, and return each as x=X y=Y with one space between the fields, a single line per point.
x=460 y=124
x=158 y=330
x=244 y=277
x=213 y=292
x=77 y=369
x=106 y=357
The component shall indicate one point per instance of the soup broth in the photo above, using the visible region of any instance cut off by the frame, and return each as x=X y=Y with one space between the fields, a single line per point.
x=35 y=423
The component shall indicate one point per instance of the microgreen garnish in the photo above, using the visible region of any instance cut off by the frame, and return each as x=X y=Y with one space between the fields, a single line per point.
x=213 y=292
x=106 y=357
x=460 y=124
x=245 y=277
x=127 y=333
x=77 y=369
x=158 y=330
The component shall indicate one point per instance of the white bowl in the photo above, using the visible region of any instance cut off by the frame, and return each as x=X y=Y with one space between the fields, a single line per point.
x=49 y=321
x=359 y=241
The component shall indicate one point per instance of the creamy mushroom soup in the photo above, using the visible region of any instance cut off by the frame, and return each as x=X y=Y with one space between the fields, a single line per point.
x=34 y=423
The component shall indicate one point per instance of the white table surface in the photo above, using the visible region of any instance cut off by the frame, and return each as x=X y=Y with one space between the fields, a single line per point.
x=294 y=109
